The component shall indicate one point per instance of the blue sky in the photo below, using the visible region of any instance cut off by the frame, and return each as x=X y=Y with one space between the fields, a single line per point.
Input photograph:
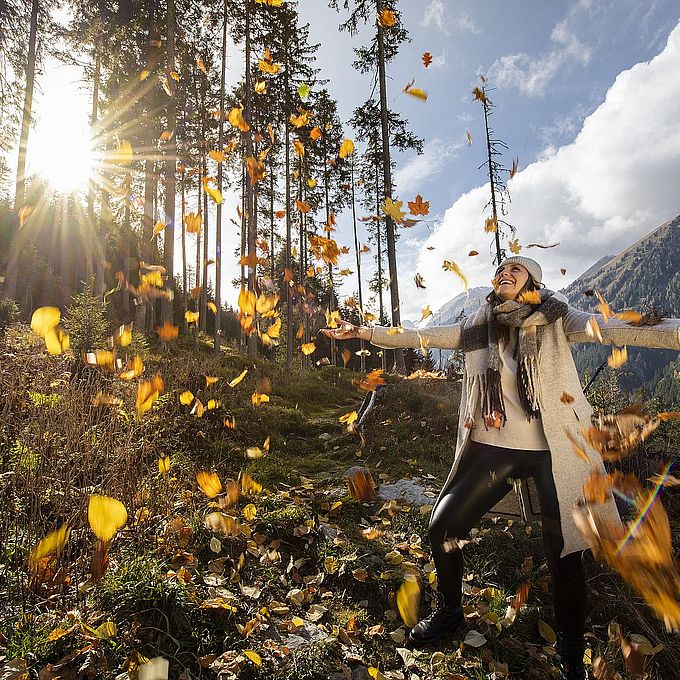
x=587 y=96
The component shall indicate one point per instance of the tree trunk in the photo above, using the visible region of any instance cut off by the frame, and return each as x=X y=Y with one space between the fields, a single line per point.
x=218 y=226
x=288 y=261
x=331 y=291
x=358 y=256
x=387 y=173
x=204 y=262
x=93 y=250
x=381 y=303
x=20 y=188
x=492 y=184
x=250 y=203
x=167 y=306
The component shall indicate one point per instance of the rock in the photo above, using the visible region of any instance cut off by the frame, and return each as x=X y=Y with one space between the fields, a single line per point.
x=309 y=634
x=407 y=489
x=325 y=436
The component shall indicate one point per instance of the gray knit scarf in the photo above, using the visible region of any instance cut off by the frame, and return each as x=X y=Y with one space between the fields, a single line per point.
x=482 y=355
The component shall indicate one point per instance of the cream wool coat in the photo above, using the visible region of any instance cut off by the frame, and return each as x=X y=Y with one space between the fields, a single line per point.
x=557 y=374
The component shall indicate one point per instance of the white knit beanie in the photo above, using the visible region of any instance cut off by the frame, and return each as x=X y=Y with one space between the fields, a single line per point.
x=530 y=265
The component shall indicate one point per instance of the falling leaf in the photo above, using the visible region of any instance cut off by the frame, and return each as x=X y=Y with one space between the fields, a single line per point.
x=44 y=319
x=148 y=392
x=236 y=119
x=186 y=398
x=393 y=209
x=618 y=357
x=629 y=316
x=515 y=166
x=106 y=516
x=299 y=148
x=201 y=64
x=261 y=87
x=267 y=65
x=167 y=332
x=191 y=317
x=214 y=193
x=480 y=95
x=349 y=418
x=346 y=148
x=515 y=247
x=316 y=133
x=566 y=398
x=491 y=225
x=469 y=138
x=420 y=282
x=122 y=154
x=257 y=398
x=133 y=368
x=416 y=92
x=238 y=378
x=387 y=17
x=541 y=245
x=408 y=602
x=303 y=91
x=427 y=59
x=372 y=381
x=308 y=348
x=209 y=483
x=52 y=543
x=593 y=329
x=158 y=228
x=563 y=271
x=530 y=297
x=418 y=206
x=166 y=135
x=453 y=267
x=426 y=311
x=57 y=341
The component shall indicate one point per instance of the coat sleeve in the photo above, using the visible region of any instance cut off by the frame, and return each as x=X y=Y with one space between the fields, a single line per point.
x=664 y=335
x=437 y=337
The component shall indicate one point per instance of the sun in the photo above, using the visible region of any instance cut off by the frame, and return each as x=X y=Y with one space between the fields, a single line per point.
x=61 y=153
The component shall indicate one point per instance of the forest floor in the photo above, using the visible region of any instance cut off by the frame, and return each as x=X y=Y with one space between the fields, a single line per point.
x=301 y=581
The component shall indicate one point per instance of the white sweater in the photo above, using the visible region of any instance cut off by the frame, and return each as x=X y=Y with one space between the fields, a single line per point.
x=518 y=432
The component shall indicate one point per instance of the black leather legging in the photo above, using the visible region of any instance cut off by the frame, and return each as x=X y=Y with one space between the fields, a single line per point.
x=481 y=481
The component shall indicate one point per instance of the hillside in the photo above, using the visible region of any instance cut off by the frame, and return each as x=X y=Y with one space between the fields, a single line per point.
x=293 y=580
x=645 y=275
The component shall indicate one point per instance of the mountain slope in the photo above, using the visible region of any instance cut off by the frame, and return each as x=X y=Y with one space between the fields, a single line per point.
x=645 y=275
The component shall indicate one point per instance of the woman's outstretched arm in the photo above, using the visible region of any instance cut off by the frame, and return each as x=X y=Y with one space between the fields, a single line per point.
x=664 y=335
x=437 y=337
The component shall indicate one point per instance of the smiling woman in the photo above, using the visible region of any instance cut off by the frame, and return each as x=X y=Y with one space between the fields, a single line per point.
x=59 y=148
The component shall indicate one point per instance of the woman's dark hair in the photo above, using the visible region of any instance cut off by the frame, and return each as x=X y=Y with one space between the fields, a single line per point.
x=493 y=299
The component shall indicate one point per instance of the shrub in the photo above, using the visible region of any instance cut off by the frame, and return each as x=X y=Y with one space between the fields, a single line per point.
x=86 y=321
x=9 y=313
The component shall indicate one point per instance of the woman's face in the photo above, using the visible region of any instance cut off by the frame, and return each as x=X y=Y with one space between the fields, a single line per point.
x=509 y=280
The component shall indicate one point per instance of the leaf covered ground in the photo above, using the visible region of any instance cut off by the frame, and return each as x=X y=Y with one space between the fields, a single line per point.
x=289 y=576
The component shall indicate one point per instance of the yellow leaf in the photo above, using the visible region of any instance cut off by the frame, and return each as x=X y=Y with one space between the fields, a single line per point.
x=515 y=247
x=223 y=523
x=186 y=398
x=167 y=332
x=387 y=17
x=629 y=316
x=316 y=133
x=198 y=408
x=201 y=64
x=418 y=206
x=261 y=87
x=346 y=148
x=212 y=307
x=57 y=340
x=191 y=317
x=393 y=209
x=134 y=368
x=44 y=319
x=212 y=404
x=469 y=138
x=299 y=148
x=253 y=656
x=308 y=348
x=491 y=225
x=237 y=120
x=148 y=392
x=238 y=378
x=122 y=153
x=106 y=630
x=530 y=297
x=106 y=515
x=215 y=194
x=408 y=601
x=349 y=418
x=618 y=357
x=144 y=74
x=123 y=335
x=547 y=633
x=164 y=465
x=426 y=312
x=311 y=183
x=211 y=380
x=258 y=398
x=453 y=267
x=52 y=543
x=209 y=482
x=416 y=92
x=166 y=135
x=217 y=156
x=174 y=75
x=376 y=674
x=250 y=512
x=158 y=228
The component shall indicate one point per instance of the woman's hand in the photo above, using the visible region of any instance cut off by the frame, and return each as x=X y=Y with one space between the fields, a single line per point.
x=345 y=331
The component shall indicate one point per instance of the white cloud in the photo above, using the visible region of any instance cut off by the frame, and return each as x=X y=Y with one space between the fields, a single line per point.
x=420 y=168
x=436 y=15
x=597 y=195
x=531 y=74
x=466 y=24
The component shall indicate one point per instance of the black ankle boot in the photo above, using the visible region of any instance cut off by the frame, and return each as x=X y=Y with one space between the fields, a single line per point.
x=444 y=620
x=571 y=649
